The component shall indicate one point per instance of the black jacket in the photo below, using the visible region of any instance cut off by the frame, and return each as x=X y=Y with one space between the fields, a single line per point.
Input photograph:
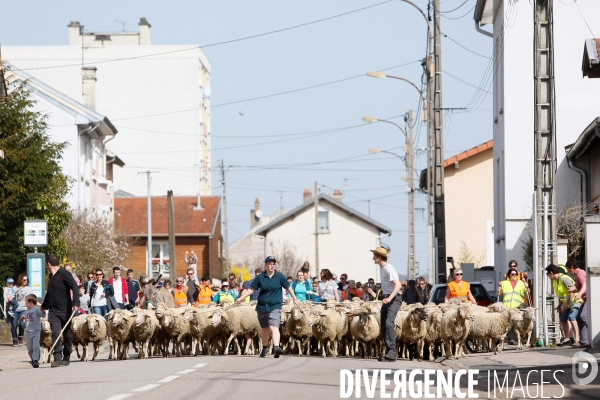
x=58 y=295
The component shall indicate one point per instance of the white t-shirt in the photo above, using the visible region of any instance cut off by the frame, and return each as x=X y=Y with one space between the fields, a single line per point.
x=118 y=288
x=326 y=290
x=98 y=299
x=388 y=274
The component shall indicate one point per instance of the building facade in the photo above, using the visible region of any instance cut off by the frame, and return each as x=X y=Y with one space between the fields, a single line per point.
x=86 y=133
x=469 y=201
x=345 y=237
x=511 y=69
x=158 y=97
x=196 y=229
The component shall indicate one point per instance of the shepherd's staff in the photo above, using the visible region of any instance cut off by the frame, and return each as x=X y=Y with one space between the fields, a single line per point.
x=61 y=332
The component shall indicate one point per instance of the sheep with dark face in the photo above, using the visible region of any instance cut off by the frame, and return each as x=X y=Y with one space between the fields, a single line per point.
x=414 y=330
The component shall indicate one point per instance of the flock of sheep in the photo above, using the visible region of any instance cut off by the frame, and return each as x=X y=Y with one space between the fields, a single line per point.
x=351 y=328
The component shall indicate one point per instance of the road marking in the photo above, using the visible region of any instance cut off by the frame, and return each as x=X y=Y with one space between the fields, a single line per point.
x=121 y=396
x=169 y=378
x=147 y=387
x=199 y=365
x=186 y=371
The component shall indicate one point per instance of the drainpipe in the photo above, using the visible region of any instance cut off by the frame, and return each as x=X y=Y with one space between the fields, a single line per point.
x=478 y=29
x=583 y=179
x=87 y=130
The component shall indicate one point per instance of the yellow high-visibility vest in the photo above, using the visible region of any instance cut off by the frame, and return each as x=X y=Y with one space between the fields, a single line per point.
x=513 y=297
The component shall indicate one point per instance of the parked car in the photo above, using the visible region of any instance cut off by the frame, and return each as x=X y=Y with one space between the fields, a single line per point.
x=438 y=294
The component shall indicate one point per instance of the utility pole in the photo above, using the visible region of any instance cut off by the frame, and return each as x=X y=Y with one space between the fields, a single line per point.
x=411 y=201
x=171 y=220
x=429 y=69
x=316 y=205
x=149 y=241
x=225 y=227
x=439 y=212
x=545 y=152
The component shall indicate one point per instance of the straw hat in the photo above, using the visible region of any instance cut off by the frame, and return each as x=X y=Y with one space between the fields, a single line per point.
x=380 y=251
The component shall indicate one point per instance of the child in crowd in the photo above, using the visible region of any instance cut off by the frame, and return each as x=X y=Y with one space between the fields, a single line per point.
x=9 y=297
x=314 y=294
x=33 y=319
x=84 y=301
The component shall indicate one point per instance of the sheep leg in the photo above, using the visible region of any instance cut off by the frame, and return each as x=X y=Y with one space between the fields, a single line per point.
x=527 y=342
x=329 y=350
x=420 y=346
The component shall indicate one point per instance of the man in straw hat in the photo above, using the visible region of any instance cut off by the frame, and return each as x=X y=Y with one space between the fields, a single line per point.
x=390 y=285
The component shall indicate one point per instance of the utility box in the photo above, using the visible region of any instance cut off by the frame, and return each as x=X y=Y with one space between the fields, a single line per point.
x=487 y=276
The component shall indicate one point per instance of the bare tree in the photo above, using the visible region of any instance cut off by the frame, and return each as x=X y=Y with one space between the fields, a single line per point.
x=91 y=242
x=569 y=225
x=289 y=261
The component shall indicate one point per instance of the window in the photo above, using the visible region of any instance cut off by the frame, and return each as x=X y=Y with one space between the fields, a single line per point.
x=160 y=259
x=323 y=220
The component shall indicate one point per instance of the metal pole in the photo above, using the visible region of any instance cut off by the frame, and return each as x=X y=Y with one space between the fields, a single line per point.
x=316 y=205
x=172 y=243
x=225 y=226
x=149 y=265
x=539 y=302
x=411 y=202
x=438 y=157
x=544 y=265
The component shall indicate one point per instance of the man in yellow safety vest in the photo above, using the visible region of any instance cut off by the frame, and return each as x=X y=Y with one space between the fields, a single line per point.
x=564 y=288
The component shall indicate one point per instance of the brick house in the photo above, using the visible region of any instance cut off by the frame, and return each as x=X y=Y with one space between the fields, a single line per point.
x=195 y=229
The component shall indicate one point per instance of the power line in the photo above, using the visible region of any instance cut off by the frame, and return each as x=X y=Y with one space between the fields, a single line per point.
x=462 y=16
x=454 y=9
x=218 y=43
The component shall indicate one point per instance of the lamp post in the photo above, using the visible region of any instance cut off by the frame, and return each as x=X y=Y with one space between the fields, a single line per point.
x=409 y=163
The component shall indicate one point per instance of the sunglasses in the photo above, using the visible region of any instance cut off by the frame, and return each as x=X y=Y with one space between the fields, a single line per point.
x=190 y=273
x=513 y=274
x=177 y=282
x=460 y=274
x=99 y=274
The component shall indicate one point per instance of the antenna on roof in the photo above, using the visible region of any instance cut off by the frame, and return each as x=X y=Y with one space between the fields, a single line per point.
x=123 y=23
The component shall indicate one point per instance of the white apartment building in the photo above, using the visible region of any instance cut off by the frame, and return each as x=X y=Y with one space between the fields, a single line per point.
x=86 y=132
x=513 y=114
x=158 y=97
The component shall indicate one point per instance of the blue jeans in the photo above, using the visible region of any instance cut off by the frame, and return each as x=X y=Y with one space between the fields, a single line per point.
x=18 y=323
x=100 y=310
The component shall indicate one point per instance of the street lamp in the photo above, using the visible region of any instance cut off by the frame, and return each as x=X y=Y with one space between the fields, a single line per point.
x=374 y=74
x=409 y=163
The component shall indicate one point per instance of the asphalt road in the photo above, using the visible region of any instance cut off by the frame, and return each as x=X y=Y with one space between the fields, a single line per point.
x=233 y=377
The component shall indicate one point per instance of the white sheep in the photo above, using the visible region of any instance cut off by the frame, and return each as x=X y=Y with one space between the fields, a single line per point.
x=77 y=340
x=145 y=328
x=493 y=327
x=172 y=322
x=299 y=330
x=93 y=330
x=203 y=333
x=120 y=330
x=46 y=342
x=455 y=326
x=414 y=330
x=364 y=327
x=434 y=334
x=238 y=321
x=524 y=328
x=326 y=327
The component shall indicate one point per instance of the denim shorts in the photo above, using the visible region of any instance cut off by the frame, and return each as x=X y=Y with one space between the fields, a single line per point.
x=269 y=318
x=569 y=314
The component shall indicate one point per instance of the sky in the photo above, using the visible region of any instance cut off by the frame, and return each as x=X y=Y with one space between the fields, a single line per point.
x=273 y=148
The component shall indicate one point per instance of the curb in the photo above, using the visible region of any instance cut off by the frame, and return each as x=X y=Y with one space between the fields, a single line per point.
x=455 y=365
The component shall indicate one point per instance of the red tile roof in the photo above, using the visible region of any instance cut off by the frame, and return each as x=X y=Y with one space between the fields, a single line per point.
x=469 y=153
x=131 y=216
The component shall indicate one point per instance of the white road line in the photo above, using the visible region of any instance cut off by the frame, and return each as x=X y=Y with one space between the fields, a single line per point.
x=147 y=387
x=120 y=396
x=199 y=365
x=169 y=378
x=186 y=371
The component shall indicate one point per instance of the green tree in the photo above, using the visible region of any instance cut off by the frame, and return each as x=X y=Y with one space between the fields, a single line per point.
x=32 y=185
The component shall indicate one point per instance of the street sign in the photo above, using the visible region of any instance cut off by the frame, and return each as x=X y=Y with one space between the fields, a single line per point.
x=37 y=273
x=36 y=233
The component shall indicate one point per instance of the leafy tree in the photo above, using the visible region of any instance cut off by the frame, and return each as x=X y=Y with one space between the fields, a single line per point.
x=527 y=252
x=90 y=243
x=32 y=185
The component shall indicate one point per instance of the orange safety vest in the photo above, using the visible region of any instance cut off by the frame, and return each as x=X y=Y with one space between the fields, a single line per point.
x=346 y=292
x=205 y=295
x=461 y=292
x=180 y=297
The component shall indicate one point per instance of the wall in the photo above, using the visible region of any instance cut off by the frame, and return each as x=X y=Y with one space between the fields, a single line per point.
x=469 y=204
x=132 y=94
x=513 y=110
x=345 y=249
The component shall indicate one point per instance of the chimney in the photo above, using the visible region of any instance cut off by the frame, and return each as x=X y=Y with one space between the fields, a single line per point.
x=89 y=87
x=255 y=214
x=307 y=195
x=144 y=32
x=74 y=33
x=337 y=195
